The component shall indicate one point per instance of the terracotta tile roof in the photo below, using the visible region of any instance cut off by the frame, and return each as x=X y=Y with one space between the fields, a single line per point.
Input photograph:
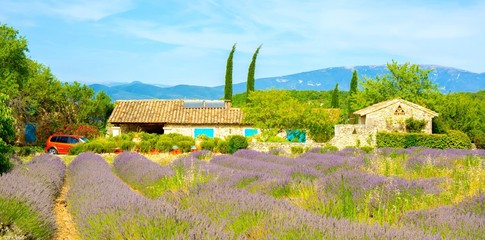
x=171 y=111
x=384 y=104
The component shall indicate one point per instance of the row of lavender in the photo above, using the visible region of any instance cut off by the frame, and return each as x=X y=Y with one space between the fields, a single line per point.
x=394 y=198
x=255 y=215
x=27 y=195
x=104 y=207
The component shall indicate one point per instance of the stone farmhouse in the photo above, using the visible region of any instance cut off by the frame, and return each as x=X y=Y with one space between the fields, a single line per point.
x=389 y=116
x=213 y=118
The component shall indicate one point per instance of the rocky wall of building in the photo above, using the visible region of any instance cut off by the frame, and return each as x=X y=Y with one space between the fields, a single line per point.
x=393 y=118
x=353 y=135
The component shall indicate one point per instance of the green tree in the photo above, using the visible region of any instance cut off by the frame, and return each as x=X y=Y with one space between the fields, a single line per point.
x=13 y=61
x=7 y=134
x=251 y=71
x=354 y=82
x=228 y=85
x=459 y=111
x=407 y=81
x=273 y=111
x=335 y=102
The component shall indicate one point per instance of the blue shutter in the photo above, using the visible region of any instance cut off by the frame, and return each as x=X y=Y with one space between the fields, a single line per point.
x=209 y=132
x=249 y=132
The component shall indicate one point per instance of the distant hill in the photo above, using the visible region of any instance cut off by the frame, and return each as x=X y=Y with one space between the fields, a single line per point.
x=448 y=79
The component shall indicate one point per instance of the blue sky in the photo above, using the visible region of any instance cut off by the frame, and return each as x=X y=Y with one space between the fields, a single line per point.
x=172 y=42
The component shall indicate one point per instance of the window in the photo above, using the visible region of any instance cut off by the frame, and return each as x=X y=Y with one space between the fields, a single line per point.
x=72 y=140
x=399 y=111
x=209 y=132
x=249 y=132
x=62 y=139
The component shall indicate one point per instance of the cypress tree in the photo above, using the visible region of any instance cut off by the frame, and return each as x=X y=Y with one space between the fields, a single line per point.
x=228 y=86
x=251 y=70
x=352 y=91
x=335 y=103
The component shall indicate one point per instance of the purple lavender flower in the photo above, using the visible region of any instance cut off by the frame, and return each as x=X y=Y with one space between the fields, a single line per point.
x=35 y=184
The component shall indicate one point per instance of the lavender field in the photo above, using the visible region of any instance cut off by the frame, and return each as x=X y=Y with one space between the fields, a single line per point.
x=389 y=194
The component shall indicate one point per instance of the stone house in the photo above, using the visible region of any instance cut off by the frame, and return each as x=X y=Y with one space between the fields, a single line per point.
x=213 y=118
x=391 y=115
x=386 y=116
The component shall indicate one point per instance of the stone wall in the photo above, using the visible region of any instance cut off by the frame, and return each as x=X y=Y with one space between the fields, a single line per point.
x=355 y=135
x=286 y=146
x=220 y=131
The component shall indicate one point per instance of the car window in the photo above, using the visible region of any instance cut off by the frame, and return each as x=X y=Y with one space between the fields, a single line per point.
x=63 y=139
x=54 y=139
x=72 y=140
x=83 y=139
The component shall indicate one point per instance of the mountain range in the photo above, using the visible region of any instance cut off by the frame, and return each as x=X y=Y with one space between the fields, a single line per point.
x=448 y=80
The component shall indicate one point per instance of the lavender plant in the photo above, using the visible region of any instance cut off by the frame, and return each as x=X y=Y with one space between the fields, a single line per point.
x=27 y=195
x=105 y=208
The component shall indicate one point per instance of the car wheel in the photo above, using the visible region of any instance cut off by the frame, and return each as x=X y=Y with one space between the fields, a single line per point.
x=52 y=151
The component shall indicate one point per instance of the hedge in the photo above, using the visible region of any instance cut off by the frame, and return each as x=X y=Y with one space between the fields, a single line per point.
x=453 y=139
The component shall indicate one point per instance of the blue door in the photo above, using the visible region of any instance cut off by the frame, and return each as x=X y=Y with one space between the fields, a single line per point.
x=209 y=132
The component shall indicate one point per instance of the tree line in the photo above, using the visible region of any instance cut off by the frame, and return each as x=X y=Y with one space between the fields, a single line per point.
x=275 y=110
x=30 y=94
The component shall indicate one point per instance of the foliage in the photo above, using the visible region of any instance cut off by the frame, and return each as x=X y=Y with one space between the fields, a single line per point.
x=164 y=146
x=228 y=79
x=7 y=134
x=407 y=81
x=251 y=71
x=458 y=139
x=7 y=121
x=5 y=153
x=415 y=125
x=297 y=150
x=460 y=111
x=236 y=142
x=208 y=144
x=275 y=110
x=221 y=146
x=353 y=90
x=335 y=100
x=37 y=97
x=454 y=139
x=479 y=141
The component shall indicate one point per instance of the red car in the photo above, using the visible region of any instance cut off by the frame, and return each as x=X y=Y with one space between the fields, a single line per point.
x=61 y=143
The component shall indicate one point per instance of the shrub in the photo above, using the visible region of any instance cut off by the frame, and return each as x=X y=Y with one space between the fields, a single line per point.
x=127 y=145
x=328 y=148
x=5 y=151
x=236 y=142
x=77 y=149
x=367 y=149
x=222 y=146
x=185 y=146
x=276 y=139
x=164 y=146
x=145 y=146
x=479 y=141
x=94 y=146
x=208 y=144
x=415 y=125
x=297 y=149
x=458 y=139
x=454 y=139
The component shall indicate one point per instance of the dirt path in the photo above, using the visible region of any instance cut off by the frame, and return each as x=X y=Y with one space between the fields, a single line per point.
x=66 y=229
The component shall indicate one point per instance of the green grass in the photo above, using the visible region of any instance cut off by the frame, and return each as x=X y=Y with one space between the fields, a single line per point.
x=182 y=180
x=19 y=214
